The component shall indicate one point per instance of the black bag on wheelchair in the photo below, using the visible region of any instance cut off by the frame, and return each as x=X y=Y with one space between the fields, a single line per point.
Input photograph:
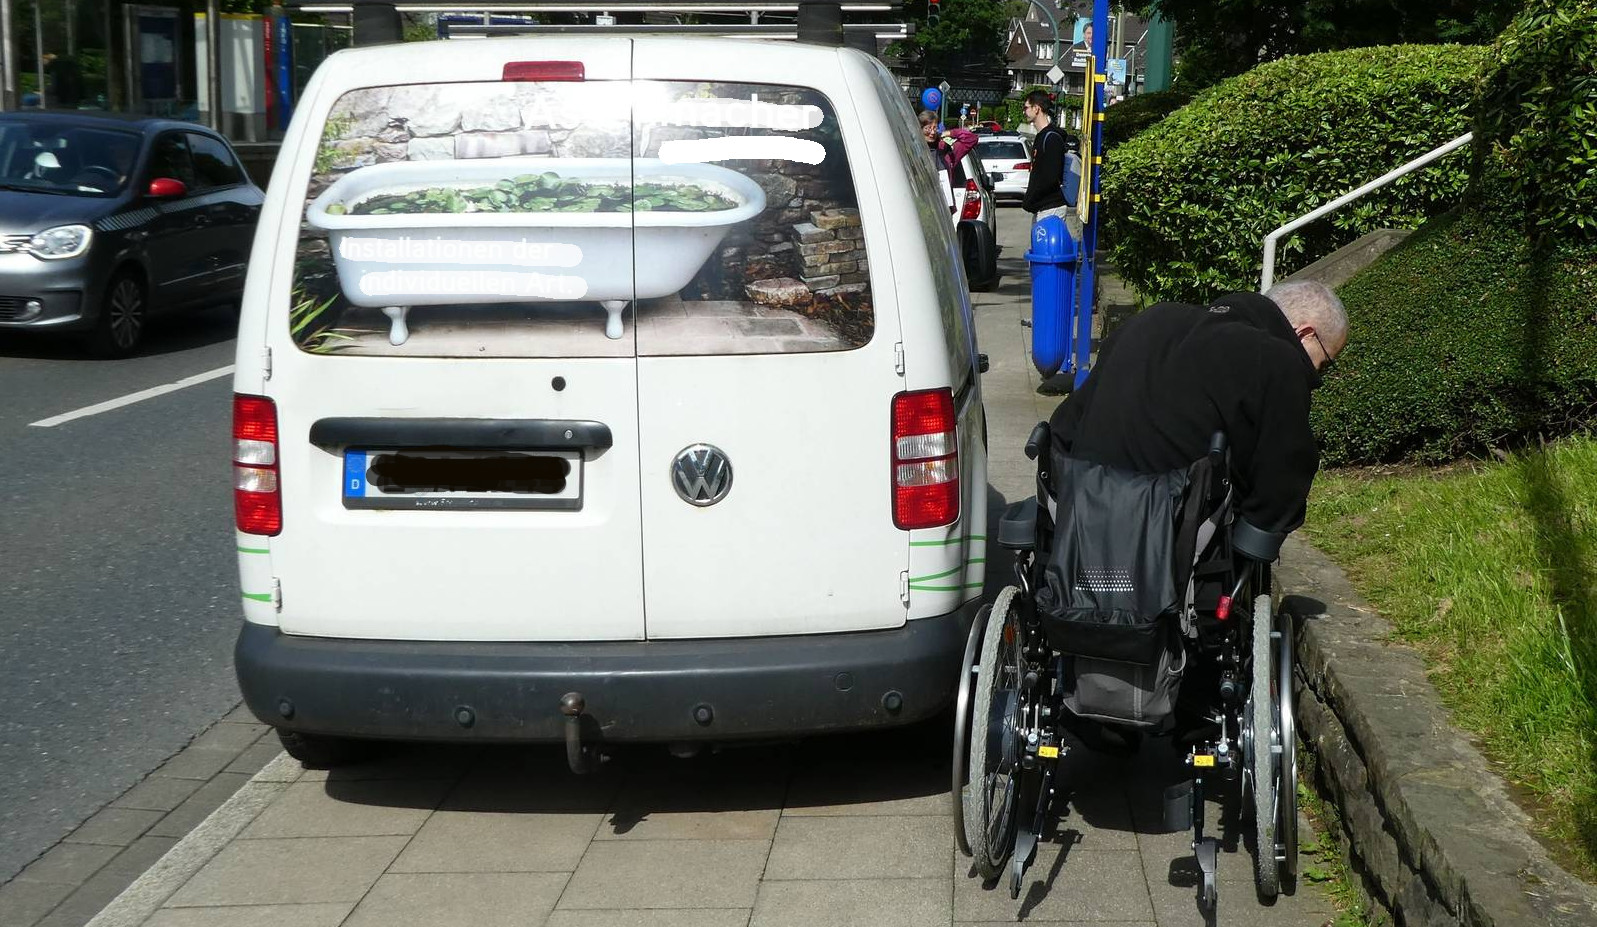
x=1112 y=590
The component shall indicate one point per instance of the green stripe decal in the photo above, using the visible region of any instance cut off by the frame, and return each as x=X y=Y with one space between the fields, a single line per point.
x=251 y=550
x=945 y=588
x=958 y=569
x=950 y=541
x=259 y=596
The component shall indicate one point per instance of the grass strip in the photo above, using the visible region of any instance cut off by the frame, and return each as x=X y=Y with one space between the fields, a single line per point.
x=1490 y=570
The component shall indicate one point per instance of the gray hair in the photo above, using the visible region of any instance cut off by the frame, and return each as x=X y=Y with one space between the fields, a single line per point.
x=1309 y=302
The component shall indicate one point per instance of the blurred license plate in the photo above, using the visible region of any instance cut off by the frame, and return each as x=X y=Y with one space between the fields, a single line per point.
x=996 y=177
x=435 y=479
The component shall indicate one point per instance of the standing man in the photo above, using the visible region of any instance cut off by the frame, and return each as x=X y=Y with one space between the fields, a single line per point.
x=1050 y=151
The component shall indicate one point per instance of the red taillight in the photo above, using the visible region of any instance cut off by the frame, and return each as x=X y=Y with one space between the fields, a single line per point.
x=544 y=70
x=925 y=459
x=972 y=207
x=257 y=497
x=1022 y=166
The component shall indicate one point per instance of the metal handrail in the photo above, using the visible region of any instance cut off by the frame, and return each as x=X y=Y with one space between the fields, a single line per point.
x=1268 y=276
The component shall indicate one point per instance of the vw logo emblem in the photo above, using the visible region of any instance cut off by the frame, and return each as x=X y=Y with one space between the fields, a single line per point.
x=701 y=475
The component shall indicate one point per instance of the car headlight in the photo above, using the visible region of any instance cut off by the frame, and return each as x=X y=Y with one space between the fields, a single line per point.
x=63 y=241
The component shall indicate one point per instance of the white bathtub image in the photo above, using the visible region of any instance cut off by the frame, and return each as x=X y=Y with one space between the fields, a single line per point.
x=393 y=262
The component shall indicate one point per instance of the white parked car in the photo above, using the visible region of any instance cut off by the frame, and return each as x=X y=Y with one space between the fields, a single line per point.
x=1007 y=160
x=604 y=389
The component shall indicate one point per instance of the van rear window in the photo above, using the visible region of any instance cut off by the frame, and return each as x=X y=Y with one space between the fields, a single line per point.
x=601 y=218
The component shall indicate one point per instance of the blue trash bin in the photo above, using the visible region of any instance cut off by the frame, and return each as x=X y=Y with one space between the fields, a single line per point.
x=1053 y=258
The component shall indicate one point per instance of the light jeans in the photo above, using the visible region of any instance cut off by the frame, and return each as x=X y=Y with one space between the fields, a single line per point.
x=1068 y=213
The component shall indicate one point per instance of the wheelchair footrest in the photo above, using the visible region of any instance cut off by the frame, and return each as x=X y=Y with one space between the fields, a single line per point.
x=1178 y=807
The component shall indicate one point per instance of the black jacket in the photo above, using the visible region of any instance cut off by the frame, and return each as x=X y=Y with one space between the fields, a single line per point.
x=1047 y=170
x=1174 y=374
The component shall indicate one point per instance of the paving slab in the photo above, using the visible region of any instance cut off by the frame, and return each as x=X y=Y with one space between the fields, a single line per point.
x=485 y=841
x=274 y=915
x=854 y=903
x=655 y=917
x=311 y=869
x=116 y=826
x=24 y=903
x=350 y=809
x=667 y=874
x=480 y=899
x=866 y=847
x=1103 y=885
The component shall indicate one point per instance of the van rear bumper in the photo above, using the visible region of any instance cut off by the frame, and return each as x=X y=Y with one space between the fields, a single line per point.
x=634 y=690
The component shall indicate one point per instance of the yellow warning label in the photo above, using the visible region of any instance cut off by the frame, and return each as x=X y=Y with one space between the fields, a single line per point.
x=1202 y=759
x=1049 y=752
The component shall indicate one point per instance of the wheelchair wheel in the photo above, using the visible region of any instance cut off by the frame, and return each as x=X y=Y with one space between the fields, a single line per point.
x=967 y=684
x=1265 y=753
x=991 y=795
x=1287 y=835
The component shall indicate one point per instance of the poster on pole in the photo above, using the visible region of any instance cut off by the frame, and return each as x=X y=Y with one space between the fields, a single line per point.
x=1084 y=196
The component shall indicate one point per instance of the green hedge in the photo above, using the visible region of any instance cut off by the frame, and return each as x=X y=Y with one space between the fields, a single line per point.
x=1132 y=115
x=1536 y=119
x=1188 y=202
x=1465 y=337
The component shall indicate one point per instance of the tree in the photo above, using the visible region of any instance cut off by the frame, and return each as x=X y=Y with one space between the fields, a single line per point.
x=1221 y=38
x=969 y=35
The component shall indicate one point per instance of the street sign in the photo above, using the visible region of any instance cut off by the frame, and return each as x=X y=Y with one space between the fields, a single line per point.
x=976 y=95
x=943 y=87
x=964 y=110
x=1055 y=75
x=931 y=98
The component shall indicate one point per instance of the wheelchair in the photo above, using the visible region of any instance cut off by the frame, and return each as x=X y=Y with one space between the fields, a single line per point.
x=1025 y=686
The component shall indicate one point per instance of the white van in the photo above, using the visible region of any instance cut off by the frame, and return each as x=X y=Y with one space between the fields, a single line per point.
x=599 y=390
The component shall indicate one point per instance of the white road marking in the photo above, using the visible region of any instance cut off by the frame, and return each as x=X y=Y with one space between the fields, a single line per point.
x=131 y=398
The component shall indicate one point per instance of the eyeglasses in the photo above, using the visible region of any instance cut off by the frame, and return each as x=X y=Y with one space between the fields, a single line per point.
x=1329 y=357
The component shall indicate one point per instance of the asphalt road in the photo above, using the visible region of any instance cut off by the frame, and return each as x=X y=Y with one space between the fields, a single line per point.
x=118 y=584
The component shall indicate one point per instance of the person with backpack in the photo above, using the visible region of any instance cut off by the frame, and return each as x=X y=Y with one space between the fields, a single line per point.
x=1055 y=166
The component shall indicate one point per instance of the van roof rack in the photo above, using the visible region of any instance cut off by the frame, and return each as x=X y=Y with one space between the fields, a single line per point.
x=817 y=22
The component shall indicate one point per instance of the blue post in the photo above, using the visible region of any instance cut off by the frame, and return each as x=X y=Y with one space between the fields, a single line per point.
x=1053 y=257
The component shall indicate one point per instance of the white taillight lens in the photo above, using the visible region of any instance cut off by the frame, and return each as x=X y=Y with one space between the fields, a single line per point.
x=927 y=472
x=254 y=479
x=246 y=451
x=918 y=447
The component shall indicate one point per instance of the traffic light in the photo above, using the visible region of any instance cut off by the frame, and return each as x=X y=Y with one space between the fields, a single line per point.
x=931 y=13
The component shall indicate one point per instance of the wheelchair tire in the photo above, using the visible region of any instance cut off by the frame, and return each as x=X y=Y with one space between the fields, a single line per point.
x=1263 y=761
x=967 y=684
x=1288 y=834
x=993 y=787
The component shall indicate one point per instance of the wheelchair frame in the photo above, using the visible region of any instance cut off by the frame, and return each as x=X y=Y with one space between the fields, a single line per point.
x=1009 y=741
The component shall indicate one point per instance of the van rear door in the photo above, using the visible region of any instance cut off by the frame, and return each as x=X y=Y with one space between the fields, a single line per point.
x=454 y=357
x=765 y=382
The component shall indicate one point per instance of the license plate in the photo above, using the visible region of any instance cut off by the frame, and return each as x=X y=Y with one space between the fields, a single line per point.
x=432 y=479
x=996 y=177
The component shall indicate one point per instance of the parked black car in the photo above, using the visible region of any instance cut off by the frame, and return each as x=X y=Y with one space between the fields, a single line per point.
x=106 y=220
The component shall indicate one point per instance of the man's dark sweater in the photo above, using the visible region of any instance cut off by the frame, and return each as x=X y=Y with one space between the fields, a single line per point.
x=1047 y=170
x=1174 y=374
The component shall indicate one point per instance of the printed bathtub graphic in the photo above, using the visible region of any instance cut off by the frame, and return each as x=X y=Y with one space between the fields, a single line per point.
x=490 y=244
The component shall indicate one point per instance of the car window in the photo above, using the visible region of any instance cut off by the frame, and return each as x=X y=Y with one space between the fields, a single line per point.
x=214 y=165
x=169 y=157
x=553 y=219
x=995 y=150
x=953 y=301
x=65 y=159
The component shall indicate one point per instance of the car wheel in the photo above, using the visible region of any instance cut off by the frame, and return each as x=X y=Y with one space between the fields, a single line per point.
x=317 y=751
x=123 y=313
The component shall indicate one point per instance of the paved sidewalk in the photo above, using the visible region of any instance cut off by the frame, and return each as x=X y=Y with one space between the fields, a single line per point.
x=851 y=830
